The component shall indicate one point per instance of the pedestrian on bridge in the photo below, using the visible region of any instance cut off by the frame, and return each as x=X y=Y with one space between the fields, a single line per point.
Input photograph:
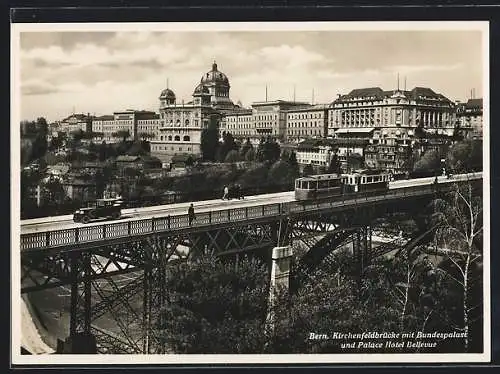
x=226 y=193
x=191 y=215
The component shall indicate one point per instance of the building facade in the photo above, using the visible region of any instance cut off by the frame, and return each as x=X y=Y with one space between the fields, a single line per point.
x=392 y=117
x=265 y=118
x=307 y=122
x=76 y=122
x=470 y=117
x=316 y=152
x=136 y=123
x=180 y=125
x=270 y=117
x=239 y=123
x=373 y=107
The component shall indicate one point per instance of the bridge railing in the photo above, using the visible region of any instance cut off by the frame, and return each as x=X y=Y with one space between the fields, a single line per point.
x=85 y=234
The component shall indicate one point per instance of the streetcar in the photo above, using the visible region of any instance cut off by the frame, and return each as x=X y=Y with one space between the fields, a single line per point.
x=333 y=185
x=318 y=186
x=367 y=180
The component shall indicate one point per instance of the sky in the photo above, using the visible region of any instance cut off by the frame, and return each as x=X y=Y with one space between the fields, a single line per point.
x=62 y=72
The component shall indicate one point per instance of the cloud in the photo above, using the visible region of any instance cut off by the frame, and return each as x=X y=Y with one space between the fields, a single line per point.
x=38 y=89
x=408 y=69
x=114 y=70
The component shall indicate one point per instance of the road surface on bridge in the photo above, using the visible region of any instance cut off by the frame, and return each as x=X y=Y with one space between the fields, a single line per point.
x=66 y=221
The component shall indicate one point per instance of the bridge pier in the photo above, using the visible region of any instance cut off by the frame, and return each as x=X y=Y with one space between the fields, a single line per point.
x=280 y=269
x=280 y=281
x=80 y=338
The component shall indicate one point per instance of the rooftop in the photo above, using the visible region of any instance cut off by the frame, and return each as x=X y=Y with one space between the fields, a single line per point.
x=309 y=107
x=127 y=158
x=376 y=93
x=474 y=104
x=279 y=102
x=106 y=117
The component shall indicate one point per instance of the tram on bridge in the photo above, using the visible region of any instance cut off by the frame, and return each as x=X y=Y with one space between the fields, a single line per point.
x=332 y=185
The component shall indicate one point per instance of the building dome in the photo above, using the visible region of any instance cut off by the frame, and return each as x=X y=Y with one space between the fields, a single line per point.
x=215 y=76
x=167 y=93
x=201 y=89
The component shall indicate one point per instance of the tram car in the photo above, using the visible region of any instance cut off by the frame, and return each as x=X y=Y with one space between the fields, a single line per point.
x=367 y=180
x=319 y=186
x=332 y=185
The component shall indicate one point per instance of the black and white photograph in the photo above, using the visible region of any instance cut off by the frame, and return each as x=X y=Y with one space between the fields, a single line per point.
x=307 y=192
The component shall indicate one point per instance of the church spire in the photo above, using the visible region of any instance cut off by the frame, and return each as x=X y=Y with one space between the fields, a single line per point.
x=214 y=66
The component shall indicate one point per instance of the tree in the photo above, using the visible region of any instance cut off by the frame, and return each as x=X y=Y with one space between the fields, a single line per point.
x=250 y=155
x=54 y=191
x=285 y=155
x=459 y=239
x=458 y=134
x=292 y=159
x=103 y=151
x=245 y=147
x=146 y=136
x=294 y=166
x=189 y=161
x=335 y=166
x=228 y=145
x=42 y=127
x=254 y=176
x=210 y=140
x=215 y=306
x=121 y=134
x=429 y=163
x=419 y=130
x=138 y=148
x=28 y=128
x=280 y=174
x=232 y=156
x=56 y=142
x=39 y=145
x=308 y=170
x=76 y=136
x=354 y=161
x=333 y=300
x=26 y=151
x=465 y=156
x=268 y=151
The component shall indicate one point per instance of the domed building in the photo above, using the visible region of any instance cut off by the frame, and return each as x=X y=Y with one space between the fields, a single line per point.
x=167 y=97
x=181 y=124
x=218 y=86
